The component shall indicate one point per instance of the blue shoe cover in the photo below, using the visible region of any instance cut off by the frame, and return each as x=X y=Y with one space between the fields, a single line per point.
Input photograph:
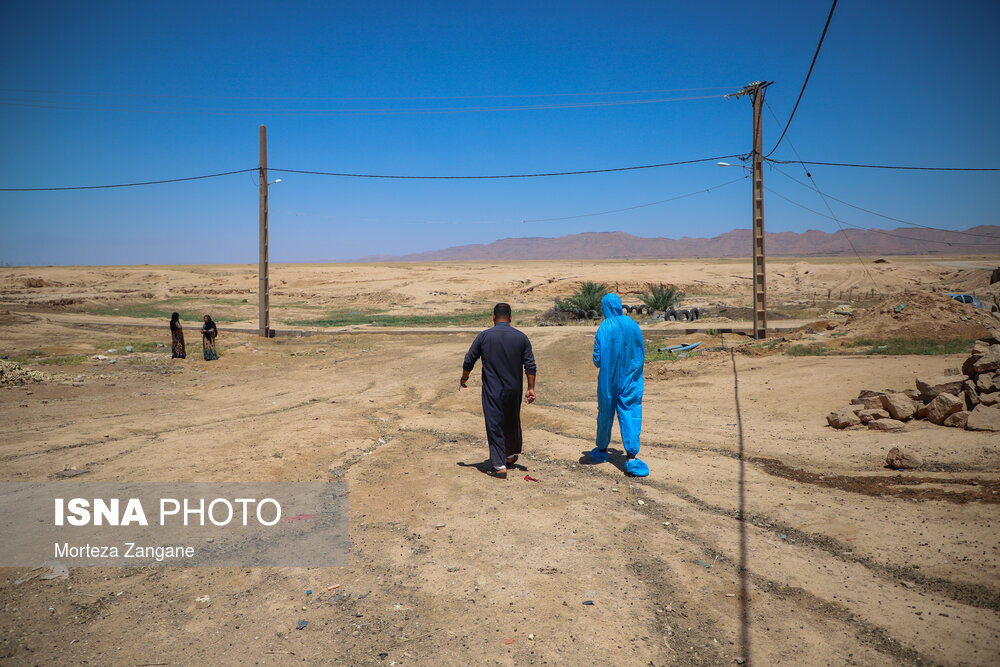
x=636 y=468
x=599 y=455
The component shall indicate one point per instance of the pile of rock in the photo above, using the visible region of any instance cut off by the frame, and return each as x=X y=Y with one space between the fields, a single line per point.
x=13 y=374
x=968 y=399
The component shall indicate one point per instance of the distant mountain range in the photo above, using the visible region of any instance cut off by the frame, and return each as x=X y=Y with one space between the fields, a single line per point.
x=619 y=245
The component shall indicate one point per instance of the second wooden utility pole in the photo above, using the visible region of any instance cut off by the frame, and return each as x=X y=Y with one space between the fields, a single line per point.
x=759 y=282
x=262 y=289
x=756 y=92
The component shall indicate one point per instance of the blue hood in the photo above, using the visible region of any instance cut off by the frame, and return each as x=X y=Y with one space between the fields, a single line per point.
x=611 y=305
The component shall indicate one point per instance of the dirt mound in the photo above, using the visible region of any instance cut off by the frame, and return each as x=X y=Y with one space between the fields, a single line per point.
x=11 y=373
x=919 y=314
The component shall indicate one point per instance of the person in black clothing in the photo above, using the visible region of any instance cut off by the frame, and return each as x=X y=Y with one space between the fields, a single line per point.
x=208 y=333
x=504 y=351
x=176 y=337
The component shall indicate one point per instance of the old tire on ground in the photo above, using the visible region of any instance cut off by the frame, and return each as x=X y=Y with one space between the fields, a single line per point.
x=671 y=315
x=695 y=314
x=683 y=315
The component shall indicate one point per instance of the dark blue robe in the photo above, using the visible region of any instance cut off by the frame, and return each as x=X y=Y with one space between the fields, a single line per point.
x=504 y=351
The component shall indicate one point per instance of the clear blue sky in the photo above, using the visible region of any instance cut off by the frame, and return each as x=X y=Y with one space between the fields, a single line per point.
x=112 y=92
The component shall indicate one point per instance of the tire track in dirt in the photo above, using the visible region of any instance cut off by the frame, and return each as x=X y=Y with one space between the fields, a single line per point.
x=156 y=434
x=974 y=595
x=868 y=633
x=877 y=637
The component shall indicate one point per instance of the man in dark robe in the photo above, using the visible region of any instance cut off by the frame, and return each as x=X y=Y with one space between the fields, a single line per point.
x=504 y=351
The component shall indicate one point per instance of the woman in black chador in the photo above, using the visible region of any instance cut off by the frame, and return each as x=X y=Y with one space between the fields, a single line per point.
x=176 y=337
x=208 y=333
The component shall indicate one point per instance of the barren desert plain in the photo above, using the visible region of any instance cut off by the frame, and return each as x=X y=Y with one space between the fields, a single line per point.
x=762 y=535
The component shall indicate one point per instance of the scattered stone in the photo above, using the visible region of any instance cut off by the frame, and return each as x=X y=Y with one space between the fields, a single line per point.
x=957 y=419
x=301 y=625
x=903 y=458
x=454 y=569
x=988 y=362
x=984 y=418
x=203 y=602
x=922 y=412
x=988 y=382
x=900 y=406
x=870 y=415
x=990 y=399
x=979 y=350
x=870 y=393
x=942 y=406
x=912 y=393
x=945 y=384
x=886 y=425
x=970 y=394
x=872 y=402
x=589 y=603
x=439 y=525
x=842 y=418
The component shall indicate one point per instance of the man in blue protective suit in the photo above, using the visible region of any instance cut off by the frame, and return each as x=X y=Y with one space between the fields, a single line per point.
x=619 y=353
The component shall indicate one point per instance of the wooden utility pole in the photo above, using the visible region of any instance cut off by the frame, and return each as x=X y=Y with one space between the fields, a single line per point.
x=262 y=291
x=759 y=282
x=756 y=92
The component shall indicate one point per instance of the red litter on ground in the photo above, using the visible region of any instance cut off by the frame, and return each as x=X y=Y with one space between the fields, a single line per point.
x=529 y=478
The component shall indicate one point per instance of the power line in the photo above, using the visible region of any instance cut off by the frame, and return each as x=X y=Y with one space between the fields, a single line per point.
x=129 y=185
x=632 y=208
x=830 y=209
x=508 y=221
x=349 y=175
x=882 y=215
x=493 y=176
x=882 y=166
x=43 y=104
x=876 y=231
x=397 y=98
x=808 y=74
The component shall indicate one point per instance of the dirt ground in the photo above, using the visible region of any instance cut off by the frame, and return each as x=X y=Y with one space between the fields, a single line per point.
x=762 y=535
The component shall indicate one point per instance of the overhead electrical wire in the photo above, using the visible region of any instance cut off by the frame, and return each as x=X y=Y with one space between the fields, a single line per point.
x=509 y=221
x=386 y=176
x=882 y=166
x=873 y=230
x=44 y=104
x=496 y=176
x=373 y=99
x=829 y=208
x=130 y=185
x=632 y=208
x=882 y=215
x=806 y=82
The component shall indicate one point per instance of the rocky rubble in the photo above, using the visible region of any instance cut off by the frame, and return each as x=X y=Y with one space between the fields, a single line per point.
x=12 y=374
x=968 y=399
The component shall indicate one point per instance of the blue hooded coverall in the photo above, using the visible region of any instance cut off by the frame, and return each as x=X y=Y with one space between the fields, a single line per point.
x=619 y=353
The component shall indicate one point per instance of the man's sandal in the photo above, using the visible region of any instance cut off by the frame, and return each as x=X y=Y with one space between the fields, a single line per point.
x=499 y=474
